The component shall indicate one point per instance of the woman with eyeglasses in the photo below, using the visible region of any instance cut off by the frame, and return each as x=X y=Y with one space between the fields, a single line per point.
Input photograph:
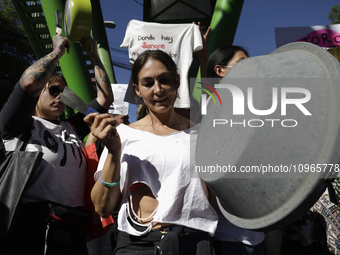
x=223 y=59
x=61 y=175
x=230 y=239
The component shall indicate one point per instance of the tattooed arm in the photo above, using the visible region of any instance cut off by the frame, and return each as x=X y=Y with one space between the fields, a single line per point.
x=34 y=79
x=104 y=91
x=16 y=114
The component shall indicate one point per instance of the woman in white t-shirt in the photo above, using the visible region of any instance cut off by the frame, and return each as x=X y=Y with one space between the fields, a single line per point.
x=163 y=206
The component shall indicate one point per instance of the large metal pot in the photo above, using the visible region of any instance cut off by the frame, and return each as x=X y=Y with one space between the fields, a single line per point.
x=285 y=137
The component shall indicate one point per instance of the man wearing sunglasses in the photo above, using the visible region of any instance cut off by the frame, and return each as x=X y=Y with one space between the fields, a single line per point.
x=61 y=175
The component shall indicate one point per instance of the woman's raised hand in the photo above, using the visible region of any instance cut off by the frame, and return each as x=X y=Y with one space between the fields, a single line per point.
x=102 y=127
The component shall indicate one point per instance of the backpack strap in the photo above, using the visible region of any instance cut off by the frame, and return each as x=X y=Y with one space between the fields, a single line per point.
x=23 y=140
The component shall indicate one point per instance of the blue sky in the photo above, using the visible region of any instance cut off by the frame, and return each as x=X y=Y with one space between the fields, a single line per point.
x=255 y=31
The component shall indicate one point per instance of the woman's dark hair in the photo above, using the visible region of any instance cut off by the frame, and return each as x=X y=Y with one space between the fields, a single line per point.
x=221 y=56
x=159 y=55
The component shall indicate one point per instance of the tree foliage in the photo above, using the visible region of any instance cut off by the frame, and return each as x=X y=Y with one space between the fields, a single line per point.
x=334 y=14
x=16 y=52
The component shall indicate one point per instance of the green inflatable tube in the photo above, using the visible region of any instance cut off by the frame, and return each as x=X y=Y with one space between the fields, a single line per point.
x=73 y=65
x=99 y=33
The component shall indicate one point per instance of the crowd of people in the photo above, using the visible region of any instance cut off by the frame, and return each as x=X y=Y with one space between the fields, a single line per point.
x=143 y=171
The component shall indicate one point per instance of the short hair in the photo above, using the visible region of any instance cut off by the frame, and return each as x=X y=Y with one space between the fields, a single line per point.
x=57 y=77
x=222 y=56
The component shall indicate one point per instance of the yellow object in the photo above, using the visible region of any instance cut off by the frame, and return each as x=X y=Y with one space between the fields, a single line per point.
x=78 y=19
x=335 y=52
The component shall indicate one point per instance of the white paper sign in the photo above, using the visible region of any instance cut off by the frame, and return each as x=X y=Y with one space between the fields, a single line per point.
x=119 y=106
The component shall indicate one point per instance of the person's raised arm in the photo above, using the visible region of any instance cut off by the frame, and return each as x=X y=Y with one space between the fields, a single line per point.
x=105 y=194
x=202 y=54
x=104 y=90
x=34 y=79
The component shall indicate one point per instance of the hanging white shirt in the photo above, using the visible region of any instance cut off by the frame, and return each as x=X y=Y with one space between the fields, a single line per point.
x=178 y=40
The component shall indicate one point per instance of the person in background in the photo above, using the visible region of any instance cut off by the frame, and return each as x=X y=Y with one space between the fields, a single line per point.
x=163 y=209
x=61 y=175
x=230 y=239
x=223 y=59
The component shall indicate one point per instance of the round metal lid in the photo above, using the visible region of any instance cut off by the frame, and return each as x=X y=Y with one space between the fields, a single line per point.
x=267 y=149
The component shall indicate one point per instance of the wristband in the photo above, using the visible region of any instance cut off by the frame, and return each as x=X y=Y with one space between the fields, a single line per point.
x=108 y=184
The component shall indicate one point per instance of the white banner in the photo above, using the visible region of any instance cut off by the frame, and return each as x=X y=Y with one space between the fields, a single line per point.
x=119 y=106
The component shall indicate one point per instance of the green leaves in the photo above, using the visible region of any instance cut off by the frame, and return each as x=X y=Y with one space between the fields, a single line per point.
x=334 y=14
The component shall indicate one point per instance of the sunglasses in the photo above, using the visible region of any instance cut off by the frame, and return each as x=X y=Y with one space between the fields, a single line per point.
x=54 y=91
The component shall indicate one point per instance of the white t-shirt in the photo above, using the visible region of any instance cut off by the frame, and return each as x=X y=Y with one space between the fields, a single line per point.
x=163 y=164
x=178 y=40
